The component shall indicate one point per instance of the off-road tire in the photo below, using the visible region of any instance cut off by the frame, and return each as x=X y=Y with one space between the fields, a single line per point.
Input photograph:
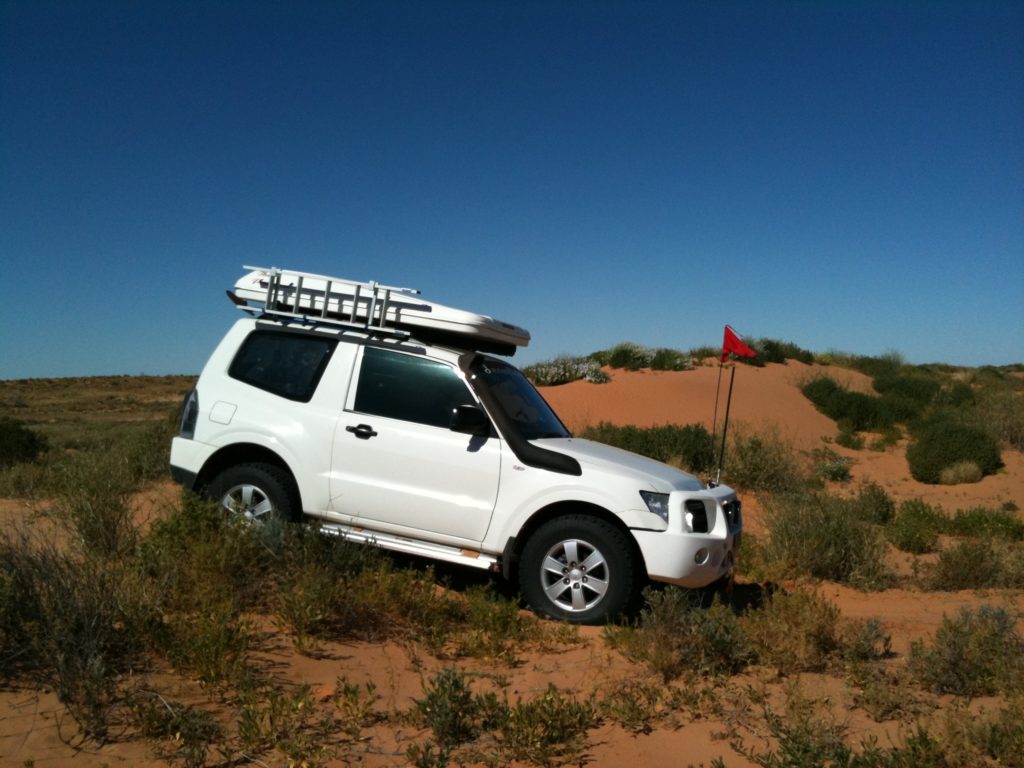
x=259 y=492
x=580 y=569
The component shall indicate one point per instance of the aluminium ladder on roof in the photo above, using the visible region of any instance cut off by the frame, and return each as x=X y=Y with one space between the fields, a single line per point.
x=366 y=306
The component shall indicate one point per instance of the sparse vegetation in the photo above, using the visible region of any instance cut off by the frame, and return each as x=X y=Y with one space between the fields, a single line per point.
x=100 y=608
x=688 y=446
x=823 y=537
x=977 y=653
x=916 y=527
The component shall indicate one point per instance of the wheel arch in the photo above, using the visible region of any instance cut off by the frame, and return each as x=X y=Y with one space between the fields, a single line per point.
x=244 y=453
x=514 y=548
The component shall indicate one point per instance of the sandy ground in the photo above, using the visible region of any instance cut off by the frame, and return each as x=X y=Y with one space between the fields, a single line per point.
x=35 y=730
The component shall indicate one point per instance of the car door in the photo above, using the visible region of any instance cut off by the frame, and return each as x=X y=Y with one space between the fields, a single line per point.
x=397 y=466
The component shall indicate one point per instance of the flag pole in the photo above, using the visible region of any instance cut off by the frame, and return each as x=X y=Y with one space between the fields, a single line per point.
x=725 y=426
x=714 y=420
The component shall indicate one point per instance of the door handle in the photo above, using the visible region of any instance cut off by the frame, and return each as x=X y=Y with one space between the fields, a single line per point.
x=363 y=431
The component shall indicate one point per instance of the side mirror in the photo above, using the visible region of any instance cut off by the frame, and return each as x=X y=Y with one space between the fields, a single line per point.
x=470 y=420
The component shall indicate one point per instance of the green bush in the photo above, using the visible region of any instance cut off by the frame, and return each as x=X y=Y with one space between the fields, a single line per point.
x=916 y=527
x=776 y=351
x=630 y=356
x=856 y=411
x=873 y=505
x=665 y=359
x=18 y=443
x=565 y=369
x=978 y=653
x=985 y=521
x=762 y=462
x=690 y=445
x=795 y=632
x=675 y=634
x=816 y=535
x=829 y=465
x=970 y=564
x=940 y=444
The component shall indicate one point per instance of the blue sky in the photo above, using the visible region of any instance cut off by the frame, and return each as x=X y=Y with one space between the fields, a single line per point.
x=843 y=175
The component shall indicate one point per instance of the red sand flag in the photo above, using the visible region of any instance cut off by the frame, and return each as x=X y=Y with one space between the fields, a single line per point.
x=732 y=343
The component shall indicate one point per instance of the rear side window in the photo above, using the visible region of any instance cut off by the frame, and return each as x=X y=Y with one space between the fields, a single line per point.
x=409 y=388
x=285 y=364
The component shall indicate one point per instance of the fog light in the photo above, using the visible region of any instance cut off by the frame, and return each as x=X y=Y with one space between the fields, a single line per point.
x=701 y=557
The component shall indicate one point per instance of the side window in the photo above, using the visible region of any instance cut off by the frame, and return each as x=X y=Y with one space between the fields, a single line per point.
x=409 y=388
x=285 y=364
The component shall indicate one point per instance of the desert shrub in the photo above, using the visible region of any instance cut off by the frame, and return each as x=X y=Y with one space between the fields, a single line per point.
x=982 y=737
x=690 y=445
x=68 y=623
x=916 y=527
x=630 y=356
x=796 y=632
x=872 y=504
x=829 y=465
x=815 y=535
x=969 y=564
x=912 y=391
x=856 y=411
x=284 y=720
x=942 y=443
x=978 y=653
x=776 y=351
x=961 y=472
x=985 y=521
x=212 y=644
x=203 y=558
x=565 y=369
x=675 y=634
x=885 y=693
x=666 y=359
x=93 y=504
x=762 y=462
x=847 y=438
x=703 y=353
x=182 y=733
x=1000 y=411
x=890 y=436
x=881 y=365
x=547 y=730
x=637 y=704
x=18 y=443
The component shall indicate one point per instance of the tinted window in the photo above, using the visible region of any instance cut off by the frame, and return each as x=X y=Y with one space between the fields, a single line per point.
x=409 y=388
x=285 y=364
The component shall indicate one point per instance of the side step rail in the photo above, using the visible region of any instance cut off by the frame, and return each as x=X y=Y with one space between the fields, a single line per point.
x=395 y=543
x=366 y=306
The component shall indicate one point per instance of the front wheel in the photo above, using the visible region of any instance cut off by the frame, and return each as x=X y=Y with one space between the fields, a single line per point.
x=258 y=492
x=578 y=568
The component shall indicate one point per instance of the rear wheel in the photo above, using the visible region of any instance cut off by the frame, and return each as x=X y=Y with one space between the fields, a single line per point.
x=578 y=568
x=258 y=492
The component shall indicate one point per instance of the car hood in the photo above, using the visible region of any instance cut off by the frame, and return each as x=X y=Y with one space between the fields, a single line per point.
x=605 y=458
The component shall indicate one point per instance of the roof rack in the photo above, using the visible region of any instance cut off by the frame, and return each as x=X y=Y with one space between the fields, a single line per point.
x=364 y=306
x=374 y=308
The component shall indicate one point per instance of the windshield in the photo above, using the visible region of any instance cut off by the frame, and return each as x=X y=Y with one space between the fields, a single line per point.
x=527 y=410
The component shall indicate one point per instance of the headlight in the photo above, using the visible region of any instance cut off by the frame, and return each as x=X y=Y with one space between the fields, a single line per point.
x=656 y=503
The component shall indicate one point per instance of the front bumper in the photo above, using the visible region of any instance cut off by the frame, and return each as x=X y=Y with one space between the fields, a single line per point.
x=688 y=559
x=694 y=558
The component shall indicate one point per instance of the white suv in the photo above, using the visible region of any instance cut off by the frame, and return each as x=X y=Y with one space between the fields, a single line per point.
x=446 y=453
